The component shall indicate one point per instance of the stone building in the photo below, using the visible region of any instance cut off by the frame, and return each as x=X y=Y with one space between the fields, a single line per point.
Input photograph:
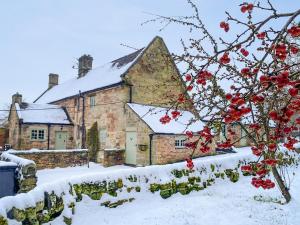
x=3 y=130
x=118 y=96
x=41 y=126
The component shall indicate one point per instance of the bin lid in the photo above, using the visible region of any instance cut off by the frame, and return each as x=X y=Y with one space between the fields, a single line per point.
x=6 y=165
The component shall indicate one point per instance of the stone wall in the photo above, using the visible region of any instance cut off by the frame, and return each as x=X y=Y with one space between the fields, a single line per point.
x=164 y=150
x=109 y=113
x=3 y=136
x=155 y=79
x=112 y=157
x=54 y=158
x=116 y=188
x=135 y=124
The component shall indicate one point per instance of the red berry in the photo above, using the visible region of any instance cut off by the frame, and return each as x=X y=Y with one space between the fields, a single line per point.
x=293 y=92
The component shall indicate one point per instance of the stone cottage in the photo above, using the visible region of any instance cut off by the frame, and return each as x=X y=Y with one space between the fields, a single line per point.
x=41 y=126
x=126 y=98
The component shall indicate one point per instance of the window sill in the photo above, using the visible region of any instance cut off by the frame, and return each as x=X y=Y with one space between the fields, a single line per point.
x=37 y=140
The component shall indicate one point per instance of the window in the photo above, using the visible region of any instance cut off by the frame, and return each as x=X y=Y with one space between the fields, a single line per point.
x=92 y=101
x=180 y=142
x=37 y=134
x=34 y=135
x=102 y=135
x=41 y=134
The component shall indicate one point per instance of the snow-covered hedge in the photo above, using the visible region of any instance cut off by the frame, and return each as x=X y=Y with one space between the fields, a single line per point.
x=47 y=202
x=26 y=171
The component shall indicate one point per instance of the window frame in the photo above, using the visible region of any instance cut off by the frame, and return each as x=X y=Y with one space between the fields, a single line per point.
x=38 y=134
x=181 y=142
x=92 y=101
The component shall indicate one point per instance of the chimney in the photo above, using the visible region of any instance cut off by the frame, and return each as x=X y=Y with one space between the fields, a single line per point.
x=17 y=98
x=53 y=80
x=85 y=64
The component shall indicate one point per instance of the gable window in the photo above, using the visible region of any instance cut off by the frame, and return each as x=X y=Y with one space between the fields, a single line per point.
x=92 y=101
x=37 y=134
x=180 y=142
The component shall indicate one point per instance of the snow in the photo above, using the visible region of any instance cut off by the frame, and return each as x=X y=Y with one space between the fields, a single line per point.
x=223 y=203
x=152 y=114
x=42 y=113
x=155 y=174
x=5 y=164
x=37 y=151
x=101 y=76
x=15 y=159
x=48 y=175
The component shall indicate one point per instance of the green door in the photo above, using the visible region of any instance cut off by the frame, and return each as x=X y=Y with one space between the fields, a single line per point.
x=131 y=147
x=61 y=140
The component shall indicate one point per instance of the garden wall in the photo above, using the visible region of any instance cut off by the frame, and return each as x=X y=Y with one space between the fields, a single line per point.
x=58 y=200
x=53 y=158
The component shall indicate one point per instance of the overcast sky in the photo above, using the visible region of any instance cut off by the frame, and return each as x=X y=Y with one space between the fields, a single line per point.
x=39 y=37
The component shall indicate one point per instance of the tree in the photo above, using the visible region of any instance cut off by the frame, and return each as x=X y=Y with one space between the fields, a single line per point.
x=93 y=142
x=264 y=90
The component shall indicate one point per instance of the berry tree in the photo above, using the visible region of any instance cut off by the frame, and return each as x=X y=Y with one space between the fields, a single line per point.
x=263 y=98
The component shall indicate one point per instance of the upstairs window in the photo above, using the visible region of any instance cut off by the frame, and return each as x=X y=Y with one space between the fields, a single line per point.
x=92 y=101
x=180 y=142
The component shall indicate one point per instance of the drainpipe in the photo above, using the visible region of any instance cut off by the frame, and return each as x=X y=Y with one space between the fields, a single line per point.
x=150 y=149
x=130 y=93
x=83 y=146
x=48 y=136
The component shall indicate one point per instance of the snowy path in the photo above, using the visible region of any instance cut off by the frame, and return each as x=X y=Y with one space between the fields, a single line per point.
x=222 y=204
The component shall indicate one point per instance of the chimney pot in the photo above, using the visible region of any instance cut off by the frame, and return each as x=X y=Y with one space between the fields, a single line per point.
x=53 y=80
x=85 y=64
x=17 y=98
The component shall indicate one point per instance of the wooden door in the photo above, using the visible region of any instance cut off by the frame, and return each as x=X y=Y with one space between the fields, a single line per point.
x=131 y=148
x=61 y=140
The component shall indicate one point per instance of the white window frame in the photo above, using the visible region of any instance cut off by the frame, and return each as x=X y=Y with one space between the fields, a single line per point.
x=92 y=101
x=180 y=142
x=39 y=135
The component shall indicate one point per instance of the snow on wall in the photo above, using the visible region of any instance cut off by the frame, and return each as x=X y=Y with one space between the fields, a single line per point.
x=37 y=151
x=153 y=174
x=15 y=159
x=152 y=114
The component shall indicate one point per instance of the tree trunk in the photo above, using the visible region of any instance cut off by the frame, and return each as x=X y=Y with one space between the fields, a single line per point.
x=285 y=192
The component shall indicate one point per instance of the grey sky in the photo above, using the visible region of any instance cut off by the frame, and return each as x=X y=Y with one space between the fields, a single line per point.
x=43 y=36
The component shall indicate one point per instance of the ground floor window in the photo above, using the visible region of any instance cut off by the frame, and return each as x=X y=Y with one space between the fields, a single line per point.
x=37 y=134
x=180 y=142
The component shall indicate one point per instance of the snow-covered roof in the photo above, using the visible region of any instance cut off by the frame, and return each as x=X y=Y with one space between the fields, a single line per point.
x=42 y=113
x=152 y=114
x=102 y=76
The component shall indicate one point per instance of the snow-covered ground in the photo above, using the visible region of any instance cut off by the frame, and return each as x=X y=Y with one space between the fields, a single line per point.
x=51 y=175
x=224 y=203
